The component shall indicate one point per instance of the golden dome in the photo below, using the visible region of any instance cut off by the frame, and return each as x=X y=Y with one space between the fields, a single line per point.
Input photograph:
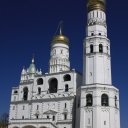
x=60 y=39
x=96 y=4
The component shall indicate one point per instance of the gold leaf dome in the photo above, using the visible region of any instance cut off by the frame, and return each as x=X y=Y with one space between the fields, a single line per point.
x=96 y=4
x=60 y=39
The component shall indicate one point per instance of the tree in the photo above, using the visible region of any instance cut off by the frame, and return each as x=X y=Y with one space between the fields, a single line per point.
x=4 y=120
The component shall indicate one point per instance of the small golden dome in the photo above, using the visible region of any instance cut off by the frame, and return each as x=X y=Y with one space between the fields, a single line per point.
x=60 y=39
x=96 y=4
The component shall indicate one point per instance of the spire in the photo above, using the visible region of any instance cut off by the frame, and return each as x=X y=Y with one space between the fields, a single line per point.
x=33 y=59
x=23 y=71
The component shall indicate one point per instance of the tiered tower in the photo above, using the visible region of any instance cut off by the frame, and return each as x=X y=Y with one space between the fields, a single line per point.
x=99 y=98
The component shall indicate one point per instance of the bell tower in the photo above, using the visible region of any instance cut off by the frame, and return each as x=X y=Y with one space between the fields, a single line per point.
x=97 y=59
x=99 y=106
x=59 y=58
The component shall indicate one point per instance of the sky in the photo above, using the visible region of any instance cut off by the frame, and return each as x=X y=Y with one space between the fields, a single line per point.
x=27 y=28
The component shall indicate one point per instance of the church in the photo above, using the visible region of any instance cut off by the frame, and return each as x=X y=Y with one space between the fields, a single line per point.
x=63 y=97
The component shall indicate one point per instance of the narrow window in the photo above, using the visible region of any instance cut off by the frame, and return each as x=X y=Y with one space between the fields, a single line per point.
x=66 y=88
x=115 y=101
x=78 y=102
x=22 y=117
x=53 y=118
x=65 y=105
x=89 y=100
x=92 y=34
x=61 y=52
x=88 y=121
x=101 y=14
x=39 y=91
x=93 y=14
x=91 y=48
x=104 y=100
x=100 y=48
x=37 y=116
x=23 y=107
x=47 y=117
x=37 y=107
x=14 y=98
x=107 y=49
x=104 y=122
x=25 y=93
x=65 y=116
x=13 y=107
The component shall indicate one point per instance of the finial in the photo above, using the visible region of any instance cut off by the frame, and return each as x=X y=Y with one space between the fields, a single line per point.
x=33 y=58
x=61 y=27
x=40 y=71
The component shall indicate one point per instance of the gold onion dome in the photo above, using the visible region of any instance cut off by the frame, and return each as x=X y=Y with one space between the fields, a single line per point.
x=60 y=38
x=96 y=4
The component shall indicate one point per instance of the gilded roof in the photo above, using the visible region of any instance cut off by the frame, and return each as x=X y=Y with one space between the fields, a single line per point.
x=96 y=4
x=60 y=39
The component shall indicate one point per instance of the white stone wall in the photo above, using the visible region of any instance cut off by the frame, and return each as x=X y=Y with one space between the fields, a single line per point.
x=46 y=104
x=98 y=116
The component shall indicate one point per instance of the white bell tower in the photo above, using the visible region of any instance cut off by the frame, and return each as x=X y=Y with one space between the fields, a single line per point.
x=99 y=98
x=59 y=58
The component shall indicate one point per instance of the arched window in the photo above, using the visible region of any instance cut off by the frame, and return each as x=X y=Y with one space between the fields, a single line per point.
x=67 y=77
x=92 y=34
x=15 y=92
x=39 y=81
x=25 y=93
x=115 y=101
x=39 y=91
x=104 y=100
x=99 y=34
x=66 y=88
x=91 y=48
x=53 y=85
x=89 y=100
x=100 y=48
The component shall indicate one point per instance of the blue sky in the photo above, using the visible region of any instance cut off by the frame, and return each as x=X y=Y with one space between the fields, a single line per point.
x=27 y=27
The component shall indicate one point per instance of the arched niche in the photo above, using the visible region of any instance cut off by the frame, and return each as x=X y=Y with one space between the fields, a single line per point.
x=53 y=85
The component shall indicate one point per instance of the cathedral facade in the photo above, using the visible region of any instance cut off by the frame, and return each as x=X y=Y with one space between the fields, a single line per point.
x=64 y=98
